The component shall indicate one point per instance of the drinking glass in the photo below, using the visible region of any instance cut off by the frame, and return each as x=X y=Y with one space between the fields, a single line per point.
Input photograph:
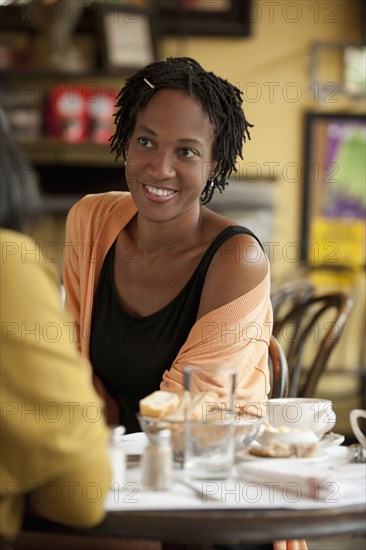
x=209 y=431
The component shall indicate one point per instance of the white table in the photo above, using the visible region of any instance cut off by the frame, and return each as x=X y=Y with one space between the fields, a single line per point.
x=184 y=516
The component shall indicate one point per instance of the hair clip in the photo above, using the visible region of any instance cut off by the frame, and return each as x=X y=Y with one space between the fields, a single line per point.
x=149 y=83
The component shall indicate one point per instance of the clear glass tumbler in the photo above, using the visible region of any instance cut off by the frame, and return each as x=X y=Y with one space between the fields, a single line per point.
x=209 y=430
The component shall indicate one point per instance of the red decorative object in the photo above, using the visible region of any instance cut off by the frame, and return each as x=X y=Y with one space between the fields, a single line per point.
x=66 y=114
x=101 y=109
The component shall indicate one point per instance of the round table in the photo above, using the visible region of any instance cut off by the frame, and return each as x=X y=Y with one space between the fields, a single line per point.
x=227 y=526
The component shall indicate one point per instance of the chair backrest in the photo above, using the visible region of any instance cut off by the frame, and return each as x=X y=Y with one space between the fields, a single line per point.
x=278 y=369
x=308 y=333
x=289 y=294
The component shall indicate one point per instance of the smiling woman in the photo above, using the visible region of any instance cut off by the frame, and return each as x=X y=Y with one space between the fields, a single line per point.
x=171 y=282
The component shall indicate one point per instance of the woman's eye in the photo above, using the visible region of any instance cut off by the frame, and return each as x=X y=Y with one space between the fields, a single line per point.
x=144 y=142
x=186 y=152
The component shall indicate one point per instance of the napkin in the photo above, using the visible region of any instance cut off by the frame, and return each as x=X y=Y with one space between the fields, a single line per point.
x=319 y=483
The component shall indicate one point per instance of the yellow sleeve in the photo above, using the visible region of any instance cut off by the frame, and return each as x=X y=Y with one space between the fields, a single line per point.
x=53 y=435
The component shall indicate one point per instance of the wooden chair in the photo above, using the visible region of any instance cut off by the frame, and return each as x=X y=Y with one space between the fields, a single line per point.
x=278 y=369
x=308 y=334
x=289 y=294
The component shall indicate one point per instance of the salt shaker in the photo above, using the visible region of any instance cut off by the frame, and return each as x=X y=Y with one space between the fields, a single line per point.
x=117 y=455
x=157 y=462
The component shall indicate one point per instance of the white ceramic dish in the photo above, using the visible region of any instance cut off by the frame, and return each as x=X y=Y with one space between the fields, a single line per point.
x=331 y=440
x=303 y=413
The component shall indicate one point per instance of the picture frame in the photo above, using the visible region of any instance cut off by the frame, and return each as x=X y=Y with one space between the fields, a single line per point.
x=334 y=198
x=126 y=36
x=337 y=68
x=200 y=17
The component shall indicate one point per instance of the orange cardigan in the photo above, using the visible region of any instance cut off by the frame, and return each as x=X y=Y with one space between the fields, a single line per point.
x=236 y=334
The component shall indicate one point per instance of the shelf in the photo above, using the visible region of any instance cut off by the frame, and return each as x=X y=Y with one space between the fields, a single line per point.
x=14 y=18
x=34 y=73
x=30 y=48
x=65 y=170
x=50 y=151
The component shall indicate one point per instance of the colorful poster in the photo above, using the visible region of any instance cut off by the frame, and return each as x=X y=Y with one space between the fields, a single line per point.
x=335 y=190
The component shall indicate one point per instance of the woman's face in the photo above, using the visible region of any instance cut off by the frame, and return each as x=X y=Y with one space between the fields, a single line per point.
x=169 y=155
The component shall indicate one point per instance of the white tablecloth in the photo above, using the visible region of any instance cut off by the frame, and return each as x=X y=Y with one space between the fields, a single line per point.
x=332 y=481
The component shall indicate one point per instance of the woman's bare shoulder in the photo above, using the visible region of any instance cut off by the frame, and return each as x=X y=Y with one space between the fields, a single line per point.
x=238 y=266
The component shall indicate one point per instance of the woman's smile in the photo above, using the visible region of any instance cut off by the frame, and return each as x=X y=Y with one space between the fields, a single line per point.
x=158 y=194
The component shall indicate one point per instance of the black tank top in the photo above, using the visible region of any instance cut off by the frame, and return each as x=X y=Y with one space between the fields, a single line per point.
x=130 y=354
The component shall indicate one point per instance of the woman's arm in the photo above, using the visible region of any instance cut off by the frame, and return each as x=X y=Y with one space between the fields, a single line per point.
x=235 y=334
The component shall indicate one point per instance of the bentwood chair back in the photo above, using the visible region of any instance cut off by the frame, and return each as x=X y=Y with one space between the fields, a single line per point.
x=308 y=334
x=290 y=294
x=278 y=369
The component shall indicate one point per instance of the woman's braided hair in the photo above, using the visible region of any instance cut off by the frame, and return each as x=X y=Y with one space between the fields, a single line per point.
x=220 y=99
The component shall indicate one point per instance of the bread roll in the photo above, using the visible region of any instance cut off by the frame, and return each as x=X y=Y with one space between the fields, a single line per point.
x=159 y=404
x=272 y=450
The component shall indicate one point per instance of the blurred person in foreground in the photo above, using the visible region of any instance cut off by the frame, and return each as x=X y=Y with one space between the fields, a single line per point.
x=53 y=449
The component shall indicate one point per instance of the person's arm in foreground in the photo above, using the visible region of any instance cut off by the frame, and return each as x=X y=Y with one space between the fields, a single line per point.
x=54 y=440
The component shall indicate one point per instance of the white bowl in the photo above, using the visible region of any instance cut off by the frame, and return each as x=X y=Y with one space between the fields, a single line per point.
x=304 y=413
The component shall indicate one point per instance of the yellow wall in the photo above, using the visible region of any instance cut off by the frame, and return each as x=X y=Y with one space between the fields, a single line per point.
x=271 y=68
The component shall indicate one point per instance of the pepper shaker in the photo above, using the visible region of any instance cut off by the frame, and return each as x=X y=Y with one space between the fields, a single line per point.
x=157 y=462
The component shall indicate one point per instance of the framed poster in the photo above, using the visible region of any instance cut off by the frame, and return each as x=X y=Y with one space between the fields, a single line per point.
x=334 y=190
x=202 y=17
x=126 y=36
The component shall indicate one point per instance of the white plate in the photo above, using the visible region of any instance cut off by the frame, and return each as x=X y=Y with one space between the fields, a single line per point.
x=331 y=440
x=246 y=455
